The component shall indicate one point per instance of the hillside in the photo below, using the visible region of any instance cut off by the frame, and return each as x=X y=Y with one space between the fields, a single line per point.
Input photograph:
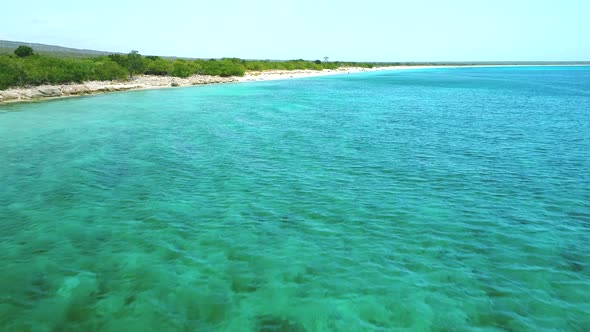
x=53 y=50
x=7 y=46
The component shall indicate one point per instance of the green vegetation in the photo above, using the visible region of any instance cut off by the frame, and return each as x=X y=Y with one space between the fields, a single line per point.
x=28 y=68
x=37 y=70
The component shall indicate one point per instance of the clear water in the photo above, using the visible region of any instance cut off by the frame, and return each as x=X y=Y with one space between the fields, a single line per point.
x=424 y=200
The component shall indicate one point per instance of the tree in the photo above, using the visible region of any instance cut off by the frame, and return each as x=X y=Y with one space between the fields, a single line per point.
x=134 y=63
x=121 y=60
x=326 y=59
x=23 y=51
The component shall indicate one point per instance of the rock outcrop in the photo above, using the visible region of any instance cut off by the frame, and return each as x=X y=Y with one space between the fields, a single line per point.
x=49 y=91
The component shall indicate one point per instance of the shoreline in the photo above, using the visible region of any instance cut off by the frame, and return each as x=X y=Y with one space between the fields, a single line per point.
x=146 y=82
x=273 y=75
x=142 y=82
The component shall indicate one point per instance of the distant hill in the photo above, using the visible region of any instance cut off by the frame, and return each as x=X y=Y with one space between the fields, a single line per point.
x=9 y=47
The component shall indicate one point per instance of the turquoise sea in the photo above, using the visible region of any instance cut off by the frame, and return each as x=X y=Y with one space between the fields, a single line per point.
x=418 y=200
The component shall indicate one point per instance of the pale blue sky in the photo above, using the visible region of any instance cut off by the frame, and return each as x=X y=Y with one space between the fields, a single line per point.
x=369 y=30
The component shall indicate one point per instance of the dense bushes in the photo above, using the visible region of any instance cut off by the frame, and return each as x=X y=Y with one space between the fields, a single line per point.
x=38 y=69
x=10 y=73
x=35 y=69
x=223 y=67
x=157 y=66
x=297 y=65
x=44 y=70
x=107 y=69
x=181 y=68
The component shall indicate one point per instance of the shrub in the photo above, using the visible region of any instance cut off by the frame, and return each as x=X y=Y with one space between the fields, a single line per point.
x=23 y=51
x=223 y=67
x=181 y=68
x=108 y=70
x=10 y=73
x=158 y=67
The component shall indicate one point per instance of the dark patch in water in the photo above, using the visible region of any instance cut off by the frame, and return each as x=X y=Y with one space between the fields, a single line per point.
x=573 y=261
x=576 y=267
x=39 y=287
x=237 y=254
x=580 y=218
x=215 y=306
x=243 y=286
x=129 y=299
x=277 y=324
x=300 y=278
x=498 y=320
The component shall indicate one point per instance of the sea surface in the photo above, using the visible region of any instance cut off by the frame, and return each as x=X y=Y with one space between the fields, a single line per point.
x=418 y=200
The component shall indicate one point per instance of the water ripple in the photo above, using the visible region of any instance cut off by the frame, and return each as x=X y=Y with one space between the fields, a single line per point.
x=442 y=200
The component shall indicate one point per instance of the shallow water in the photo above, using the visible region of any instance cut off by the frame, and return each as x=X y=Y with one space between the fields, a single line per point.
x=423 y=200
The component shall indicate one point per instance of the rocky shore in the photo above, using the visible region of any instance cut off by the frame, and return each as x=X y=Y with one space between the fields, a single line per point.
x=93 y=87
x=33 y=93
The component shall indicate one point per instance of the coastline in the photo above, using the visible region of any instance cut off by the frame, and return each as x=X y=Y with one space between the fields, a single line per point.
x=144 y=82
x=272 y=75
